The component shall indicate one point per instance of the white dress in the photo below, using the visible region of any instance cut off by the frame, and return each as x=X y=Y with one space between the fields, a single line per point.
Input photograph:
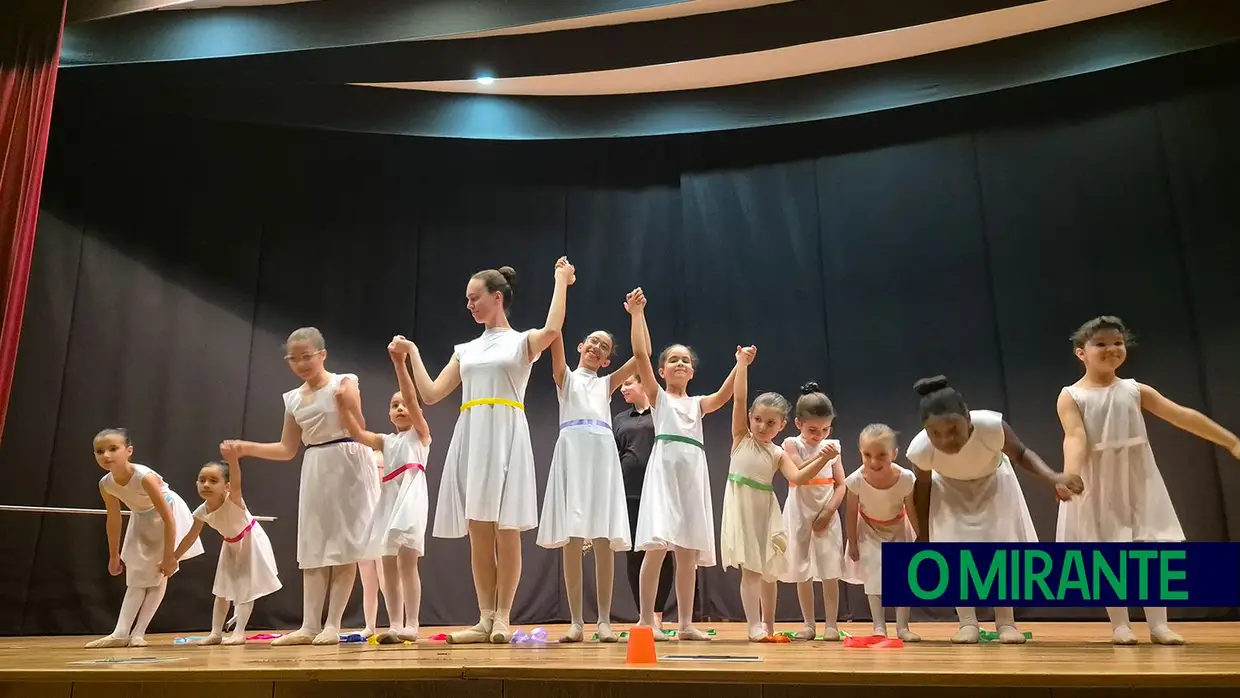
x=404 y=505
x=247 y=567
x=676 y=508
x=585 y=489
x=1125 y=499
x=883 y=519
x=488 y=473
x=339 y=482
x=812 y=556
x=752 y=534
x=976 y=497
x=143 y=547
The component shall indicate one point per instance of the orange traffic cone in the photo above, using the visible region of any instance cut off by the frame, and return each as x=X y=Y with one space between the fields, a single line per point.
x=641 y=646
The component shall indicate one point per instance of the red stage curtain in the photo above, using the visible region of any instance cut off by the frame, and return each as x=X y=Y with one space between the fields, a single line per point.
x=30 y=33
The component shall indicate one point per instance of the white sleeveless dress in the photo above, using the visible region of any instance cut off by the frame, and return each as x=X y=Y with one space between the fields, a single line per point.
x=883 y=519
x=404 y=504
x=976 y=497
x=812 y=557
x=1125 y=499
x=339 y=482
x=585 y=489
x=488 y=473
x=752 y=535
x=676 y=508
x=143 y=546
x=247 y=567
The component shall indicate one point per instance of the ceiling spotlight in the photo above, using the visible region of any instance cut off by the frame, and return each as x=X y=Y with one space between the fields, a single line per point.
x=486 y=80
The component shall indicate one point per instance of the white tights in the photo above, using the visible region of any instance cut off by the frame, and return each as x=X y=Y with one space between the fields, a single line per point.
x=335 y=583
x=137 y=610
x=686 y=587
x=402 y=593
x=604 y=578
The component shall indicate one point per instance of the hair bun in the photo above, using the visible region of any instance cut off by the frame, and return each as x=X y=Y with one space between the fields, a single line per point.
x=925 y=386
x=509 y=274
x=809 y=388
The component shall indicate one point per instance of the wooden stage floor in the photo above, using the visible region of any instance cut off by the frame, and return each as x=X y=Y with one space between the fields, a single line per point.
x=1063 y=659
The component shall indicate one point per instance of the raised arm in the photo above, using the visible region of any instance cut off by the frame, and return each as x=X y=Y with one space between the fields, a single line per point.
x=283 y=450
x=190 y=538
x=559 y=364
x=620 y=375
x=740 y=415
x=720 y=397
x=409 y=393
x=921 y=503
x=799 y=475
x=151 y=485
x=640 y=338
x=1075 y=443
x=348 y=404
x=113 y=506
x=434 y=390
x=538 y=340
x=1065 y=485
x=234 y=482
x=1188 y=419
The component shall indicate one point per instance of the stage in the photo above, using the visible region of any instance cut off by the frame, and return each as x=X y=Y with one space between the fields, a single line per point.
x=1063 y=659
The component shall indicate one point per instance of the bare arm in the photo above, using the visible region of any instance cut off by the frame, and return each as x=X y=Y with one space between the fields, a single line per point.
x=559 y=365
x=190 y=538
x=719 y=398
x=640 y=339
x=620 y=375
x=283 y=450
x=113 y=505
x=910 y=506
x=234 y=482
x=1188 y=419
x=921 y=503
x=740 y=416
x=1075 y=443
x=802 y=474
x=435 y=390
x=850 y=521
x=1026 y=458
x=409 y=393
x=345 y=405
x=538 y=340
x=837 y=498
x=150 y=484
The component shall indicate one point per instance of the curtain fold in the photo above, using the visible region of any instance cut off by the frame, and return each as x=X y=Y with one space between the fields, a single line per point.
x=30 y=35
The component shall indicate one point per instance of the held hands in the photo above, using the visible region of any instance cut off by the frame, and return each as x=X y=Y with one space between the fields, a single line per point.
x=746 y=355
x=1068 y=486
x=399 y=346
x=115 y=566
x=231 y=450
x=169 y=566
x=831 y=449
x=635 y=301
x=566 y=271
x=823 y=520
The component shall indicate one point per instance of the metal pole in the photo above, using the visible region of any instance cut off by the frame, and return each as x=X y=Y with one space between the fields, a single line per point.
x=70 y=510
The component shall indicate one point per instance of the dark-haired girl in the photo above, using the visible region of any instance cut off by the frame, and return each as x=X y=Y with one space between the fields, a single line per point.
x=246 y=570
x=146 y=558
x=584 y=501
x=1105 y=442
x=967 y=491
x=488 y=490
x=676 y=513
x=815 y=536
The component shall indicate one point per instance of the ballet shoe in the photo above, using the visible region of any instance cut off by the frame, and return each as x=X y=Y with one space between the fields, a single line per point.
x=1123 y=635
x=299 y=637
x=659 y=635
x=367 y=633
x=1165 y=636
x=108 y=642
x=233 y=640
x=387 y=637
x=574 y=634
x=138 y=641
x=909 y=636
x=967 y=635
x=808 y=632
x=500 y=634
x=692 y=634
x=831 y=634
x=605 y=633
x=1009 y=635
x=209 y=640
x=470 y=636
x=329 y=636
x=408 y=634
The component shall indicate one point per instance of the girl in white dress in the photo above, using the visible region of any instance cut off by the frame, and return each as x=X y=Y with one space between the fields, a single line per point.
x=1105 y=442
x=880 y=510
x=159 y=517
x=398 y=530
x=967 y=491
x=815 y=536
x=488 y=489
x=752 y=536
x=246 y=570
x=338 y=491
x=585 y=500
x=676 y=511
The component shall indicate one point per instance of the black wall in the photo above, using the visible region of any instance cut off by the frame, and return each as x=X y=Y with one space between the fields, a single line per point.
x=967 y=238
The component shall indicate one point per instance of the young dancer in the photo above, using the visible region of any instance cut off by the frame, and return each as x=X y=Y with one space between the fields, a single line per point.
x=398 y=531
x=752 y=536
x=585 y=490
x=880 y=510
x=967 y=490
x=676 y=511
x=634 y=430
x=488 y=489
x=338 y=490
x=246 y=570
x=157 y=520
x=1105 y=442
x=815 y=537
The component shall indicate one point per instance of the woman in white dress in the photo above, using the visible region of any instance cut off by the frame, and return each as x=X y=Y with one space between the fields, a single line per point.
x=397 y=534
x=967 y=491
x=488 y=490
x=752 y=536
x=338 y=491
x=880 y=510
x=1105 y=442
x=676 y=512
x=811 y=514
x=246 y=570
x=159 y=517
x=585 y=490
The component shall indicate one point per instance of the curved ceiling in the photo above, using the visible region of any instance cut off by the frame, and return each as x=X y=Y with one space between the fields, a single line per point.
x=503 y=69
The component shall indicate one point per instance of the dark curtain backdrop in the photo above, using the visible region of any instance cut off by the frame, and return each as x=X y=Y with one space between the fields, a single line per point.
x=967 y=238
